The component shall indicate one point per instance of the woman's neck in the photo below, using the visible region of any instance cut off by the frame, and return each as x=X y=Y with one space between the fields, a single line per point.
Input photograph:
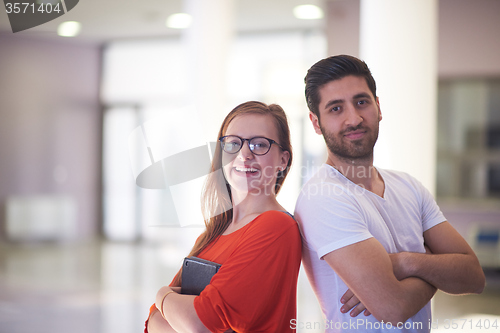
x=246 y=208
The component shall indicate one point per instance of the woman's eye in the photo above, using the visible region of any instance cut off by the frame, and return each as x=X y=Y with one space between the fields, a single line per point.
x=232 y=146
x=260 y=144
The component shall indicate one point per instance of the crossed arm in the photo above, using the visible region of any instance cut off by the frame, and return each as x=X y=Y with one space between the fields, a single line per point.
x=400 y=284
x=452 y=267
x=180 y=315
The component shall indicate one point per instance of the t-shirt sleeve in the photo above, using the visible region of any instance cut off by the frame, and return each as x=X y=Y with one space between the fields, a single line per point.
x=431 y=213
x=331 y=220
x=256 y=286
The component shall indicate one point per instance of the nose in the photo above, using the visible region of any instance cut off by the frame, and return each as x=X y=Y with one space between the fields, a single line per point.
x=245 y=153
x=353 y=117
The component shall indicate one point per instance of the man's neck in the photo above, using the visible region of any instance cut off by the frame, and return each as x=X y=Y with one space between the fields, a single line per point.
x=360 y=171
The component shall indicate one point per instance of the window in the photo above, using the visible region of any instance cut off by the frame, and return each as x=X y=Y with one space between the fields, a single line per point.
x=468 y=160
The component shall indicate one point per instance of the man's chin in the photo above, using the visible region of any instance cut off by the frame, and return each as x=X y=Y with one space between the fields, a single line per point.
x=352 y=154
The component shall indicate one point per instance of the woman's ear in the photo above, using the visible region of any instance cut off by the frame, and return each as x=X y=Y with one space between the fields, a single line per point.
x=285 y=157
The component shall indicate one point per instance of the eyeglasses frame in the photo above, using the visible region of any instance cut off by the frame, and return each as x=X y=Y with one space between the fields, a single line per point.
x=271 y=141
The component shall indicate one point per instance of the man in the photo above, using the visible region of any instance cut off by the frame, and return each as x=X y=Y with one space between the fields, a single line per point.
x=375 y=240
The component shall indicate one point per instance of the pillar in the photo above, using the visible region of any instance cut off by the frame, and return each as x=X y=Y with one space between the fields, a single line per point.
x=208 y=42
x=398 y=41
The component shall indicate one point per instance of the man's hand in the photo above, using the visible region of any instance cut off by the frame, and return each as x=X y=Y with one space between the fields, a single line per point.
x=350 y=301
x=401 y=263
x=387 y=298
x=449 y=263
x=398 y=264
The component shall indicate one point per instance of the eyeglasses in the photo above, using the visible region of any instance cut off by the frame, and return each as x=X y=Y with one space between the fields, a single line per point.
x=258 y=145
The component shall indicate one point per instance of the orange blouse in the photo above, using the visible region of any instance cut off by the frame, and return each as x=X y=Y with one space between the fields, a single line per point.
x=255 y=290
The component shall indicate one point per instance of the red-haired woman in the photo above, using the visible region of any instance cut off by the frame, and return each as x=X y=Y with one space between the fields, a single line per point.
x=248 y=232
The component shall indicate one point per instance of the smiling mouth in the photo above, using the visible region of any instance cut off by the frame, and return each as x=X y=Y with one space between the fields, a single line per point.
x=246 y=170
x=355 y=134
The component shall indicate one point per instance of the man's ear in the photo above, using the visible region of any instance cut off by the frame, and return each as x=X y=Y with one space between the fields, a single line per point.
x=315 y=123
x=379 y=112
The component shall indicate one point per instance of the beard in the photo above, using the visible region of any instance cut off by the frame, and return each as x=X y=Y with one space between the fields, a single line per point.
x=351 y=149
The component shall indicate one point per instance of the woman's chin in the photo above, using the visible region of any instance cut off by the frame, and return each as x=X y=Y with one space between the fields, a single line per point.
x=246 y=191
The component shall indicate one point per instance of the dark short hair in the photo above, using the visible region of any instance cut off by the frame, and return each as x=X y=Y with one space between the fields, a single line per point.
x=334 y=68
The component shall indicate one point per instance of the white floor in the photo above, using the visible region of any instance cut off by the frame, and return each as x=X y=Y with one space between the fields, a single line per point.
x=106 y=287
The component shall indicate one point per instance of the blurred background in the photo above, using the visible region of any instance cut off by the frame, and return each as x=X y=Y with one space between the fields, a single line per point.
x=86 y=239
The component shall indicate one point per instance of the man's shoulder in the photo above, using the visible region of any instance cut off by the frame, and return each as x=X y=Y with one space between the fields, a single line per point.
x=323 y=178
x=398 y=179
x=324 y=173
x=395 y=173
x=329 y=192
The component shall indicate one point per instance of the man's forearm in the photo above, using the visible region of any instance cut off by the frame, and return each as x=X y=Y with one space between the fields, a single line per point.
x=417 y=293
x=408 y=297
x=386 y=297
x=453 y=273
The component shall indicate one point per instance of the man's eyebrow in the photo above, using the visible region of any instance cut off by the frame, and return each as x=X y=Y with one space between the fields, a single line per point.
x=362 y=95
x=332 y=102
x=339 y=101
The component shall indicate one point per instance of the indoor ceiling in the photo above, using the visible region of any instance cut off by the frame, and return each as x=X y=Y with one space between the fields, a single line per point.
x=106 y=20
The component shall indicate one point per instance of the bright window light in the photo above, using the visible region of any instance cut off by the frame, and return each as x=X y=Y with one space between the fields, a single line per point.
x=69 y=29
x=308 y=12
x=179 y=21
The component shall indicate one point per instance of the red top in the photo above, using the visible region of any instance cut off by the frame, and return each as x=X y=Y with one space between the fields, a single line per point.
x=255 y=289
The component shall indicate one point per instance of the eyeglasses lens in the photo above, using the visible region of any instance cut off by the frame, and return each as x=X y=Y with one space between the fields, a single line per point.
x=231 y=145
x=259 y=146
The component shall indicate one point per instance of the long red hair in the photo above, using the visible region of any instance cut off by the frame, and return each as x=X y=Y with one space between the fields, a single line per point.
x=216 y=205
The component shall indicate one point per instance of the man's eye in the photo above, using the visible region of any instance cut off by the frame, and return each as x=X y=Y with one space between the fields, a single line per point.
x=336 y=108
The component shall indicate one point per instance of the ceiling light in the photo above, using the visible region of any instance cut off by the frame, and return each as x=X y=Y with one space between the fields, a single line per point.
x=69 y=29
x=179 y=21
x=308 y=12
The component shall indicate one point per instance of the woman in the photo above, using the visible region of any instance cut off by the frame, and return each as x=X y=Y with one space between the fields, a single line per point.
x=248 y=232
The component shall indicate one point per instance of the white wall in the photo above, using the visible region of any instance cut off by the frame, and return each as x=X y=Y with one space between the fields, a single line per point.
x=50 y=122
x=468 y=43
x=50 y=127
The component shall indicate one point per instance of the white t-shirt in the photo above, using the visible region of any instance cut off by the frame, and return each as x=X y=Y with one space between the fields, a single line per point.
x=333 y=212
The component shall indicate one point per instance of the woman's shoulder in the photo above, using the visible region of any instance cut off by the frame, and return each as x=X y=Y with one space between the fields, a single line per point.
x=274 y=221
x=277 y=215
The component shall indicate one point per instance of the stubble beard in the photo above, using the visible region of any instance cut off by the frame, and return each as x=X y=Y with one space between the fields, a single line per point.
x=351 y=151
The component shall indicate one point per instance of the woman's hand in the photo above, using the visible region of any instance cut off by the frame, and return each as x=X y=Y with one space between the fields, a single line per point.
x=161 y=294
x=178 y=311
x=156 y=324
